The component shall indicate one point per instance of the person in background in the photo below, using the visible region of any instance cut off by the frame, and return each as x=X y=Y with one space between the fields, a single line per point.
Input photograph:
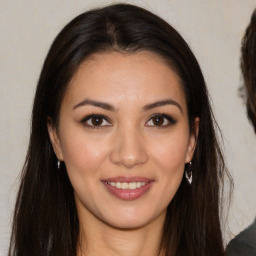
x=244 y=244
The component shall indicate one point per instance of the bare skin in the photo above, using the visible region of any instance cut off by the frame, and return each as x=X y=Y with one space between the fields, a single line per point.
x=124 y=137
x=103 y=240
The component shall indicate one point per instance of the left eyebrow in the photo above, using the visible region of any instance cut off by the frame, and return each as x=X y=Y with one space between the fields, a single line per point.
x=163 y=103
x=95 y=103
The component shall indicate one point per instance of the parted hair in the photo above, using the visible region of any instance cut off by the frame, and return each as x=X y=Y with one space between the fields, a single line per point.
x=45 y=221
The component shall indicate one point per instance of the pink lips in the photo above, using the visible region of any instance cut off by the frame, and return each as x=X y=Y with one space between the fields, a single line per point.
x=128 y=194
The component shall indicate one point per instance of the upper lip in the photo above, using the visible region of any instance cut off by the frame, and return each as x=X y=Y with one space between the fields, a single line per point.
x=127 y=179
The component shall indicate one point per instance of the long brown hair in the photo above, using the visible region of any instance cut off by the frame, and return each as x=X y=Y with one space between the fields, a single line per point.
x=45 y=219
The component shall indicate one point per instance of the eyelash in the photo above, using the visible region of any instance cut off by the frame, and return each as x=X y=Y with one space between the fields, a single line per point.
x=85 y=120
x=170 y=120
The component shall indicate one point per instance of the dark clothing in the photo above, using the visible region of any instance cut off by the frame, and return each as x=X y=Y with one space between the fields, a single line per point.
x=243 y=244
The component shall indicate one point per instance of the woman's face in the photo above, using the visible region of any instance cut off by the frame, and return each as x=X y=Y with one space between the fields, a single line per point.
x=124 y=137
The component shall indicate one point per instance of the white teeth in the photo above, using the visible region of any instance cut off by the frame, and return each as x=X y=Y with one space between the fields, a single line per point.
x=138 y=184
x=132 y=185
x=126 y=185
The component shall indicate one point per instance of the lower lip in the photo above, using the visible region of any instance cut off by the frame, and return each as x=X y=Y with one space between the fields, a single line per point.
x=128 y=194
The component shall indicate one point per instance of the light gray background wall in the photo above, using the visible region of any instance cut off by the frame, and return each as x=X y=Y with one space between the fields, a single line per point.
x=213 y=28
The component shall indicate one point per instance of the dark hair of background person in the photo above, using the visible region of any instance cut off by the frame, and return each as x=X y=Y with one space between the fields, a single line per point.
x=45 y=219
x=248 y=67
x=245 y=242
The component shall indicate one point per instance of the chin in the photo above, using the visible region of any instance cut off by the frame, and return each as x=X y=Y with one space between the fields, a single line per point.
x=133 y=221
x=127 y=224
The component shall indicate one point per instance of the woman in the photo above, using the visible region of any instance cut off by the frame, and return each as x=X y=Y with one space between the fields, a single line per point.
x=123 y=158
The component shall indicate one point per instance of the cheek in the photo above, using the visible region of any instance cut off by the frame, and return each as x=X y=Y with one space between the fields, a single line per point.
x=169 y=160
x=170 y=154
x=83 y=155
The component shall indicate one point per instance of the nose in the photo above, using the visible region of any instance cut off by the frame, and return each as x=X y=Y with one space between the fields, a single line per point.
x=129 y=149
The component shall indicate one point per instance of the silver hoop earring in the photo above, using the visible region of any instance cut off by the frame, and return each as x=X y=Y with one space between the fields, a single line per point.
x=58 y=164
x=188 y=173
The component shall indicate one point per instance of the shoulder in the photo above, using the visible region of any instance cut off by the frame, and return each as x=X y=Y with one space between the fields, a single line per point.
x=243 y=244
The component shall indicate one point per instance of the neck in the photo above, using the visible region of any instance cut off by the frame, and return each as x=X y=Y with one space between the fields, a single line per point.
x=100 y=239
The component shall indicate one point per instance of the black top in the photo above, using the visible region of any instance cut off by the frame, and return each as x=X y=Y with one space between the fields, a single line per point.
x=243 y=244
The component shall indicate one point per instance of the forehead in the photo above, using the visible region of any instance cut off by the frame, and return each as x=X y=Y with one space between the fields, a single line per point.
x=118 y=77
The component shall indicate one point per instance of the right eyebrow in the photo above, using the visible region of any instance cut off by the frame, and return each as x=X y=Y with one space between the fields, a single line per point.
x=95 y=103
x=163 y=103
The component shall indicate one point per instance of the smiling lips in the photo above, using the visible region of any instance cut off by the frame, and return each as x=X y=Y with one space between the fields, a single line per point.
x=128 y=188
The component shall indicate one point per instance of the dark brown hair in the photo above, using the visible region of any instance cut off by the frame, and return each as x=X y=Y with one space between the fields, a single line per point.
x=45 y=219
x=248 y=66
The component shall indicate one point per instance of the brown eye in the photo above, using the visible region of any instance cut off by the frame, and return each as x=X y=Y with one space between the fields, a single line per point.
x=161 y=120
x=96 y=121
x=158 y=120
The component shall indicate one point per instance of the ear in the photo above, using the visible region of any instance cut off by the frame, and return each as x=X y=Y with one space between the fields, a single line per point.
x=192 y=140
x=54 y=138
